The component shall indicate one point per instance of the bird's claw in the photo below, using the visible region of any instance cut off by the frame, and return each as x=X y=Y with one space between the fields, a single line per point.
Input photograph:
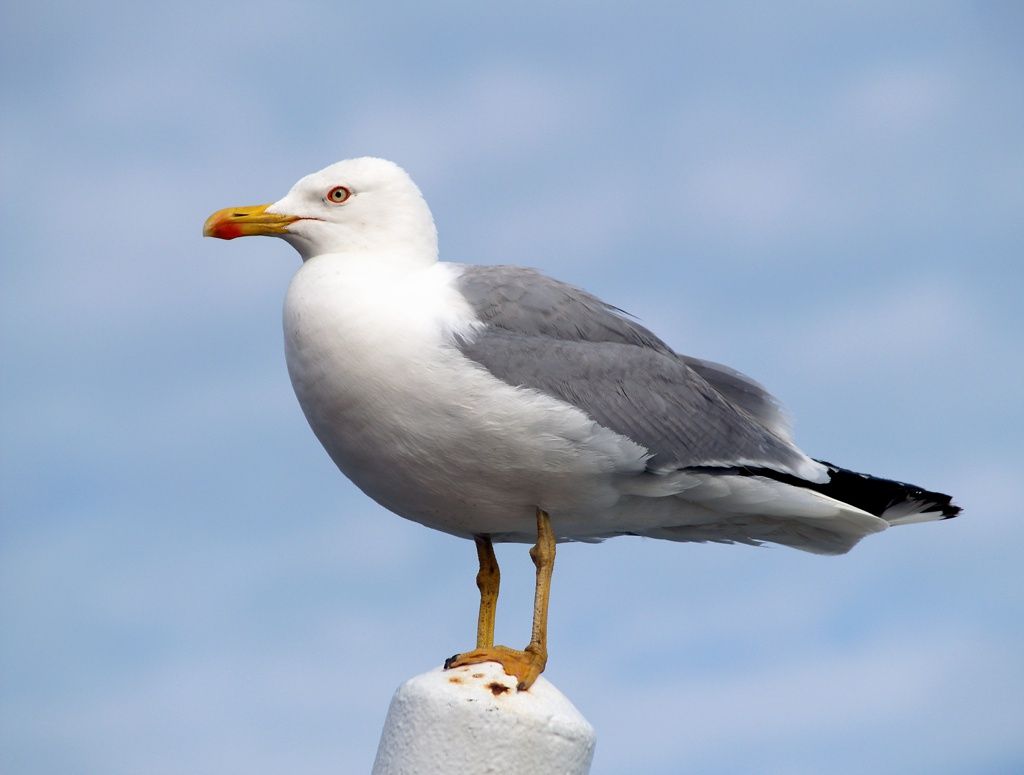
x=525 y=665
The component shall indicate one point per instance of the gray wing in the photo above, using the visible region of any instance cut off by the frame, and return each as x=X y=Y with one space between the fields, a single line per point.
x=742 y=391
x=526 y=302
x=550 y=336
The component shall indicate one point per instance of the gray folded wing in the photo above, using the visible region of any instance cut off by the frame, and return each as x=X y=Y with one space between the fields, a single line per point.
x=742 y=391
x=552 y=337
x=524 y=301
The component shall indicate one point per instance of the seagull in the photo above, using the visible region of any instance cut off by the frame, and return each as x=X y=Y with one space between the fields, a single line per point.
x=497 y=404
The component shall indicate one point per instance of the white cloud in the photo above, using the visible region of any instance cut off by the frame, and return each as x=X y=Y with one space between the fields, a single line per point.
x=495 y=116
x=887 y=332
x=754 y=197
x=898 y=99
x=867 y=155
x=806 y=711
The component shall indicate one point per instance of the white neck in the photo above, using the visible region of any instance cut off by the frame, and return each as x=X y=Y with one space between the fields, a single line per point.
x=413 y=249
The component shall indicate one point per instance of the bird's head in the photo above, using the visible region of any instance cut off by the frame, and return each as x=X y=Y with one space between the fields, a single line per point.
x=364 y=205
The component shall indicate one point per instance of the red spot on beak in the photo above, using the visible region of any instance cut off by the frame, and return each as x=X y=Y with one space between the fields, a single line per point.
x=226 y=230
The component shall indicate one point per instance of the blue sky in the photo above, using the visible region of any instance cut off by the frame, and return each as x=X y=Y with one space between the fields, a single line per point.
x=829 y=199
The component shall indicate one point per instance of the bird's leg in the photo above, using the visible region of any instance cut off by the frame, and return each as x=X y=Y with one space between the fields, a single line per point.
x=543 y=556
x=488 y=579
x=529 y=663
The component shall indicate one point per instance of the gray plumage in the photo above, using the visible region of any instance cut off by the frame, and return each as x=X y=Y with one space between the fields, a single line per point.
x=526 y=302
x=550 y=336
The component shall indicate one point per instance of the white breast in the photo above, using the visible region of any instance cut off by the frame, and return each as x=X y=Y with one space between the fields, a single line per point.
x=418 y=427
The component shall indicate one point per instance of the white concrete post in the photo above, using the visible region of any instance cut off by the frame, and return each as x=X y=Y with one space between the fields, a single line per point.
x=471 y=720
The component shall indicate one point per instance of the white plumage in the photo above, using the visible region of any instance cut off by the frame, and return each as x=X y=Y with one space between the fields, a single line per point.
x=396 y=361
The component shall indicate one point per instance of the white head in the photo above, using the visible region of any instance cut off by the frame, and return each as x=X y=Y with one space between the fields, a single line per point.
x=364 y=205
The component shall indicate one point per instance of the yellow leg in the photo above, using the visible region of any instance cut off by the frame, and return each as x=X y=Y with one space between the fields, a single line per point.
x=488 y=579
x=529 y=663
x=543 y=556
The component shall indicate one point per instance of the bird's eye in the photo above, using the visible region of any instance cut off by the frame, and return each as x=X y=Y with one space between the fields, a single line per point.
x=338 y=195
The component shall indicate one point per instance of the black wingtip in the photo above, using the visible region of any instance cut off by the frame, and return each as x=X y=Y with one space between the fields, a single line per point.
x=876 y=495
x=872 y=494
x=951 y=510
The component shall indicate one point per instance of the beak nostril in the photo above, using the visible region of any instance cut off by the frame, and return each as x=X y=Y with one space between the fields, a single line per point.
x=239 y=215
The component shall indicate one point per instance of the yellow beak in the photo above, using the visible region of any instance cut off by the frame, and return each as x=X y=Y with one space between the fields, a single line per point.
x=234 y=222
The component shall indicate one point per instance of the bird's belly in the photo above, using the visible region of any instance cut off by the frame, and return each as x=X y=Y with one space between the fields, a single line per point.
x=453 y=461
x=437 y=439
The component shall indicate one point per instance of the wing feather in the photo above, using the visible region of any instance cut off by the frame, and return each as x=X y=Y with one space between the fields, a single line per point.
x=549 y=336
